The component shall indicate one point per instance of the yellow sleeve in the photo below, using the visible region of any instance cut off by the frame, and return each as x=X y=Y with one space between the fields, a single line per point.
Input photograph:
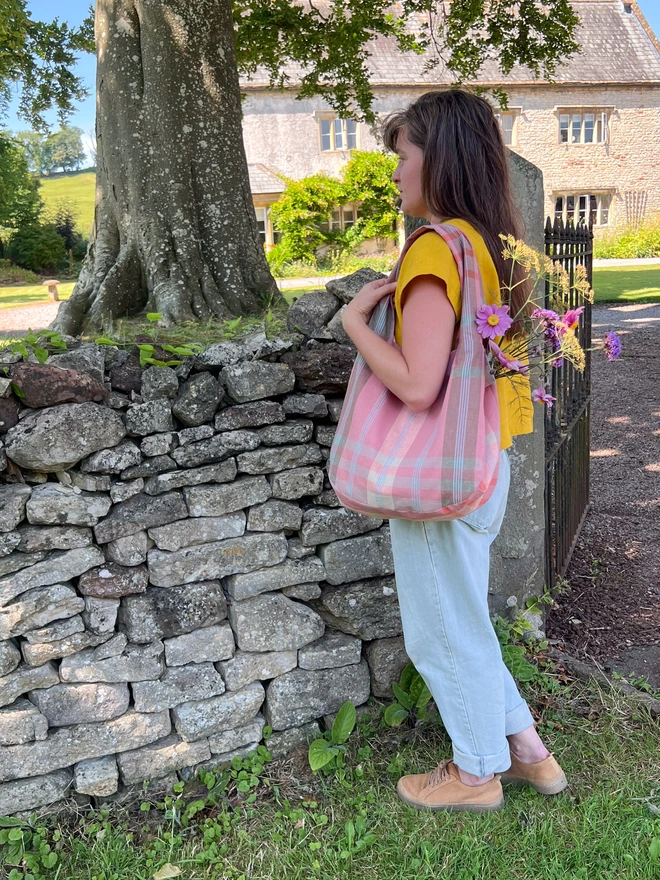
x=429 y=255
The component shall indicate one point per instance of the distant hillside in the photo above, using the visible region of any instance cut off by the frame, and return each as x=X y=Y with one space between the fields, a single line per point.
x=76 y=189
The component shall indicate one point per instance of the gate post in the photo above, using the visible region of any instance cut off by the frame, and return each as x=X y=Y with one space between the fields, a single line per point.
x=518 y=554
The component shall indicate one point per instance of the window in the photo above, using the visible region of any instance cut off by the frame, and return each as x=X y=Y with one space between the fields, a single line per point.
x=508 y=123
x=338 y=134
x=341 y=218
x=262 y=225
x=584 y=127
x=586 y=207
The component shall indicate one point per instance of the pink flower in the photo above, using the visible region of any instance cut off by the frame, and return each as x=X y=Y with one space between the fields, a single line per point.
x=508 y=363
x=571 y=319
x=493 y=321
x=540 y=395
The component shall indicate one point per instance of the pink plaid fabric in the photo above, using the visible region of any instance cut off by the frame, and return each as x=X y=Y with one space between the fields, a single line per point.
x=441 y=463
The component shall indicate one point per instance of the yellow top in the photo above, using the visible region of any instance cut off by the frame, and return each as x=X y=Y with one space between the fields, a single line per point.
x=430 y=255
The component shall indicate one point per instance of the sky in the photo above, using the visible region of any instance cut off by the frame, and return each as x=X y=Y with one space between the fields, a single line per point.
x=74 y=11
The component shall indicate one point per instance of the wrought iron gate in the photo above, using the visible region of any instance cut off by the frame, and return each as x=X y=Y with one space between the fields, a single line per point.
x=567 y=422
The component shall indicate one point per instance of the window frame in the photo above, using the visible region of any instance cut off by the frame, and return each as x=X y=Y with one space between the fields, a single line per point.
x=603 y=197
x=566 y=122
x=346 y=134
x=515 y=113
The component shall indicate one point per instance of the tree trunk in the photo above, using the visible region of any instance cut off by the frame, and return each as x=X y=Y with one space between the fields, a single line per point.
x=175 y=228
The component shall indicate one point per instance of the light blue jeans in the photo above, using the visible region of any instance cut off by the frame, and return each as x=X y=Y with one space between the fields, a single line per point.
x=441 y=570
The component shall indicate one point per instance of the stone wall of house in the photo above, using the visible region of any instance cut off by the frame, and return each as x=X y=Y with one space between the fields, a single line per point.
x=175 y=569
x=282 y=133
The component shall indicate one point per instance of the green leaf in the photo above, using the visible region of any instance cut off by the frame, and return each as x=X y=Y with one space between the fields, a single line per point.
x=654 y=849
x=41 y=355
x=395 y=715
x=16 y=834
x=518 y=666
x=402 y=696
x=408 y=674
x=17 y=391
x=320 y=753
x=425 y=697
x=152 y=317
x=344 y=723
x=104 y=340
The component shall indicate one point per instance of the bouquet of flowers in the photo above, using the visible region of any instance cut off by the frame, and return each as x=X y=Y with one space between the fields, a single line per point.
x=546 y=337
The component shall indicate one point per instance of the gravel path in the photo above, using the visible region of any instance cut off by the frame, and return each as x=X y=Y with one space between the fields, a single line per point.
x=612 y=613
x=20 y=319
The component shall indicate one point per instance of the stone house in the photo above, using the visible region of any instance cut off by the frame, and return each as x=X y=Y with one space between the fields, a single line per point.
x=594 y=132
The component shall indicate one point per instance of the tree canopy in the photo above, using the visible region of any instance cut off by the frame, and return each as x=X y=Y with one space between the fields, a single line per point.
x=19 y=189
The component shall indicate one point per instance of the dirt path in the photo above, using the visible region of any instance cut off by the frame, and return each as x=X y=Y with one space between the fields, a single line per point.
x=20 y=319
x=612 y=613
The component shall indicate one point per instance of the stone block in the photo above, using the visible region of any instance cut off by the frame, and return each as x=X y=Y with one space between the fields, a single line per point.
x=113 y=647
x=286 y=574
x=217 y=448
x=135 y=663
x=9 y=541
x=306 y=405
x=159 y=383
x=40 y=653
x=98 y=777
x=13 y=498
x=216 y=560
x=272 y=622
x=56 y=568
x=55 y=504
x=80 y=742
x=56 y=438
x=21 y=722
x=326 y=368
x=24 y=679
x=100 y=615
x=327 y=498
x=301 y=695
x=128 y=551
x=296 y=483
x=25 y=795
x=153 y=417
x=60 y=629
x=38 y=608
x=179 y=684
x=162 y=757
x=33 y=539
x=333 y=649
x=112 y=581
x=321 y=526
x=112 y=461
x=292 y=431
x=303 y=592
x=271 y=459
x=10 y=657
x=201 y=530
x=351 y=559
x=88 y=482
x=66 y=704
x=198 y=719
x=238 y=737
x=335 y=408
x=256 y=380
x=123 y=491
x=157 y=445
x=223 y=472
x=89 y=358
x=219 y=500
x=336 y=328
x=310 y=314
x=192 y=435
x=249 y=415
x=347 y=287
x=246 y=667
x=139 y=513
x=297 y=549
x=208 y=644
x=274 y=516
x=17 y=561
x=164 y=613
x=280 y=744
x=367 y=609
x=325 y=434
x=158 y=464
x=387 y=659
x=198 y=399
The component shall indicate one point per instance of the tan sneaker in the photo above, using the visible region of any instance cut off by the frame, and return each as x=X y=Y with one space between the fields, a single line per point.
x=545 y=776
x=442 y=789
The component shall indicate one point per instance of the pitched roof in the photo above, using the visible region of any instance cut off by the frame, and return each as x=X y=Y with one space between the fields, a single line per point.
x=264 y=181
x=617 y=46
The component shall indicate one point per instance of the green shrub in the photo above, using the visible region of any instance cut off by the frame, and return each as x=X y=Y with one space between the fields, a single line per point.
x=38 y=248
x=629 y=243
x=11 y=274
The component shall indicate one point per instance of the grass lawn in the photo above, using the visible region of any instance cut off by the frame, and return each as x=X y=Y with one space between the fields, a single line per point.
x=26 y=294
x=637 y=284
x=78 y=190
x=290 y=825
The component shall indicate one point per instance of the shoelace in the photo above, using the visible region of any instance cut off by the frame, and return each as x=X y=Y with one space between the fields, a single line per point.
x=440 y=774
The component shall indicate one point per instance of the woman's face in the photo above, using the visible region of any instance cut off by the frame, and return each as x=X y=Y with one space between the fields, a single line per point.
x=408 y=176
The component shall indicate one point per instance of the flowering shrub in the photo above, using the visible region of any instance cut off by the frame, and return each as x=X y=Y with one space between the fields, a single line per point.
x=548 y=336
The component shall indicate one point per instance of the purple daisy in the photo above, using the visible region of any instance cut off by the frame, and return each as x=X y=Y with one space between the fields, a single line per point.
x=512 y=364
x=493 y=321
x=541 y=395
x=546 y=316
x=612 y=345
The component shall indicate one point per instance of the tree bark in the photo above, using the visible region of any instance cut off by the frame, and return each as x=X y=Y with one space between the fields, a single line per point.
x=175 y=228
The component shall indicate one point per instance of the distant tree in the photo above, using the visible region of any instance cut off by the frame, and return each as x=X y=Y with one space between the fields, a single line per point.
x=34 y=147
x=19 y=189
x=65 y=149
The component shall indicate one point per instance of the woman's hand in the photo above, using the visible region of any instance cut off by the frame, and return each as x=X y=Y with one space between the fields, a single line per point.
x=362 y=304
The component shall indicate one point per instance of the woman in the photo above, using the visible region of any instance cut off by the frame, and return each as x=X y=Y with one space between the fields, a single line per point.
x=453 y=168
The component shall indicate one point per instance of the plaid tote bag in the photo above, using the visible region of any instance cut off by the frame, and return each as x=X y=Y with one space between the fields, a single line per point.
x=441 y=463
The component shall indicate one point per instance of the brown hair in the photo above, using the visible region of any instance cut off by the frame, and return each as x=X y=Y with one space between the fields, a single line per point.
x=465 y=172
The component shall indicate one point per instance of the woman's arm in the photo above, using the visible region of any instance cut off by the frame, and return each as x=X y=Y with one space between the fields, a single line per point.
x=416 y=373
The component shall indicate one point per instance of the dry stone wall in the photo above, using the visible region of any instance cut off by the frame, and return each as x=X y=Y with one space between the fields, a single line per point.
x=175 y=568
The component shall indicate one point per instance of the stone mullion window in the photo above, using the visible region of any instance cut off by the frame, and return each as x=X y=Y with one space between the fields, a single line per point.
x=584 y=126
x=337 y=134
x=584 y=206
